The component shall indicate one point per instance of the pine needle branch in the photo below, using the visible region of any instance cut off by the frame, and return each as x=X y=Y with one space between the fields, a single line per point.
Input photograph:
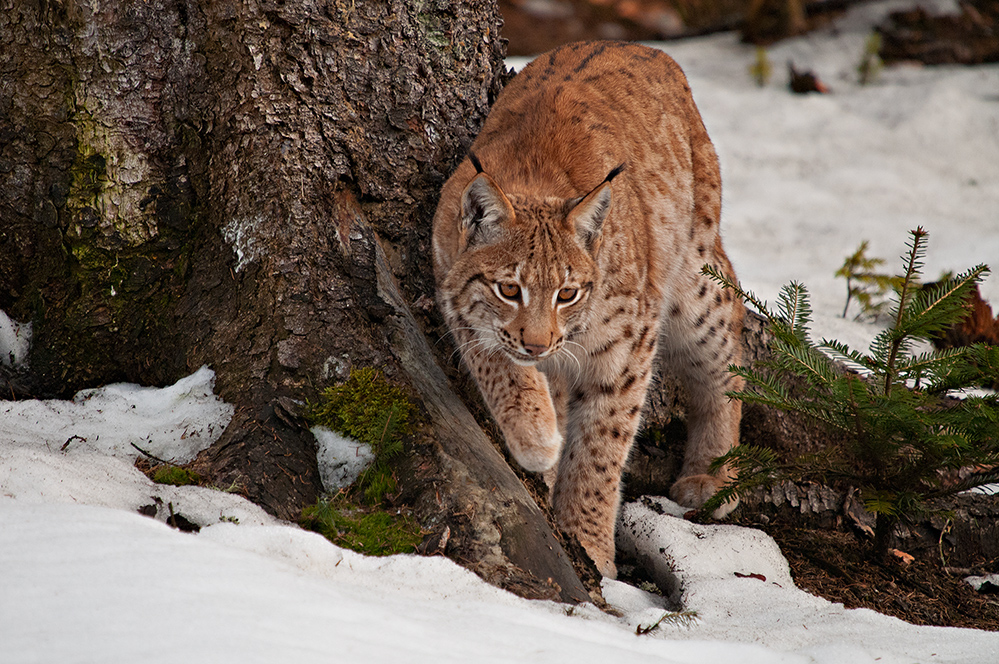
x=912 y=269
x=896 y=438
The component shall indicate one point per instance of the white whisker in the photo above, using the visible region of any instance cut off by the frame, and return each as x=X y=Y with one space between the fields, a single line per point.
x=489 y=352
x=453 y=333
x=582 y=347
x=471 y=347
x=579 y=368
x=579 y=365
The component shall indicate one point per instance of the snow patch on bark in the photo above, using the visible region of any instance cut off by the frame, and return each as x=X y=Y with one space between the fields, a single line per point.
x=241 y=235
x=15 y=341
x=341 y=459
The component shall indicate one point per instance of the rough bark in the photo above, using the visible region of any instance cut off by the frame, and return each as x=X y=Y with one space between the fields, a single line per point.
x=247 y=185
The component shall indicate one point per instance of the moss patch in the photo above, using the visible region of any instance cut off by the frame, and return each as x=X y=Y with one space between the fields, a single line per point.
x=371 y=532
x=370 y=410
x=366 y=407
x=176 y=476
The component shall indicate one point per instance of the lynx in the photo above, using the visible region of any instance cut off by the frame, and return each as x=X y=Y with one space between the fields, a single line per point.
x=567 y=252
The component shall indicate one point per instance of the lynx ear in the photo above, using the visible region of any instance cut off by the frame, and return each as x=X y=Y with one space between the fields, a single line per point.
x=589 y=212
x=484 y=211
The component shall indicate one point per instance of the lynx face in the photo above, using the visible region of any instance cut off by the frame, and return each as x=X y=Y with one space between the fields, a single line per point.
x=524 y=276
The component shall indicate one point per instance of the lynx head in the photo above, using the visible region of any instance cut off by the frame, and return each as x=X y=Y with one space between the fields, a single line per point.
x=525 y=267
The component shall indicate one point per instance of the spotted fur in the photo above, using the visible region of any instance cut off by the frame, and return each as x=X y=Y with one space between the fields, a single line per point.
x=567 y=249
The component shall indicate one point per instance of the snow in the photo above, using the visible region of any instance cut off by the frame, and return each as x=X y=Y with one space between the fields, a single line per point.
x=86 y=578
x=172 y=424
x=15 y=339
x=341 y=459
x=977 y=582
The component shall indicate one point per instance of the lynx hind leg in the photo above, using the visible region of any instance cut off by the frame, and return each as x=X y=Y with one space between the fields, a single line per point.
x=713 y=430
x=704 y=339
x=702 y=336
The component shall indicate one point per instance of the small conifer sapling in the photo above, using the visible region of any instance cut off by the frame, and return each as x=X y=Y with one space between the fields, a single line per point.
x=865 y=283
x=900 y=434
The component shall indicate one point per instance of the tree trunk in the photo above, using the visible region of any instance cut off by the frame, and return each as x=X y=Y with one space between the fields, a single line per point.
x=250 y=186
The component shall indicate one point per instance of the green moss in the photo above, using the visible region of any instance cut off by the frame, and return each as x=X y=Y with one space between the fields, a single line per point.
x=370 y=410
x=371 y=532
x=176 y=476
x=365 y=407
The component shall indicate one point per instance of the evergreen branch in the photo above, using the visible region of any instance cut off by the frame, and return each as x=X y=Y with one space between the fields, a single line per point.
x=747 y=296
x=912 y=270
x=847 y=355
x=856 y=394
x=941 y=307
x=753 y=466
x=779 y=400
x=824 y=415
x=980 y=367
x=913 y=267
x=808 y=363
x=880 y=347
x=973 y=481
x=769 y=384
x=937 y=365
x=796 y=310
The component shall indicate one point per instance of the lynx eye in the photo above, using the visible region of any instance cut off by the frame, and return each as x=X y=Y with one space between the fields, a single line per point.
x=509 y=291
x=567 y=295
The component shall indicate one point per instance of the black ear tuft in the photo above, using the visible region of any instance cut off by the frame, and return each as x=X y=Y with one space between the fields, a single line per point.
x=614 y=173
x=588 y=214
x=475 y=161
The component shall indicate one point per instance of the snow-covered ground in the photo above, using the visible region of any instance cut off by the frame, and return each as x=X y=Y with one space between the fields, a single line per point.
x=85 y=578
x=805 y=178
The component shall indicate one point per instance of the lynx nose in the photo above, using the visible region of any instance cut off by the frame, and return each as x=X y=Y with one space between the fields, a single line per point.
x=534 y=350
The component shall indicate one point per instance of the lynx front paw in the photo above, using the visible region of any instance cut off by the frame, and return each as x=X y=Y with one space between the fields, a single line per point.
x=607 y=569
x=600 y=551
x=536 y=451
x=694 y=491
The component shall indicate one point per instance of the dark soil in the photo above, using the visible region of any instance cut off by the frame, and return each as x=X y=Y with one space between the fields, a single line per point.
x=837 y=566
x=968 y=37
